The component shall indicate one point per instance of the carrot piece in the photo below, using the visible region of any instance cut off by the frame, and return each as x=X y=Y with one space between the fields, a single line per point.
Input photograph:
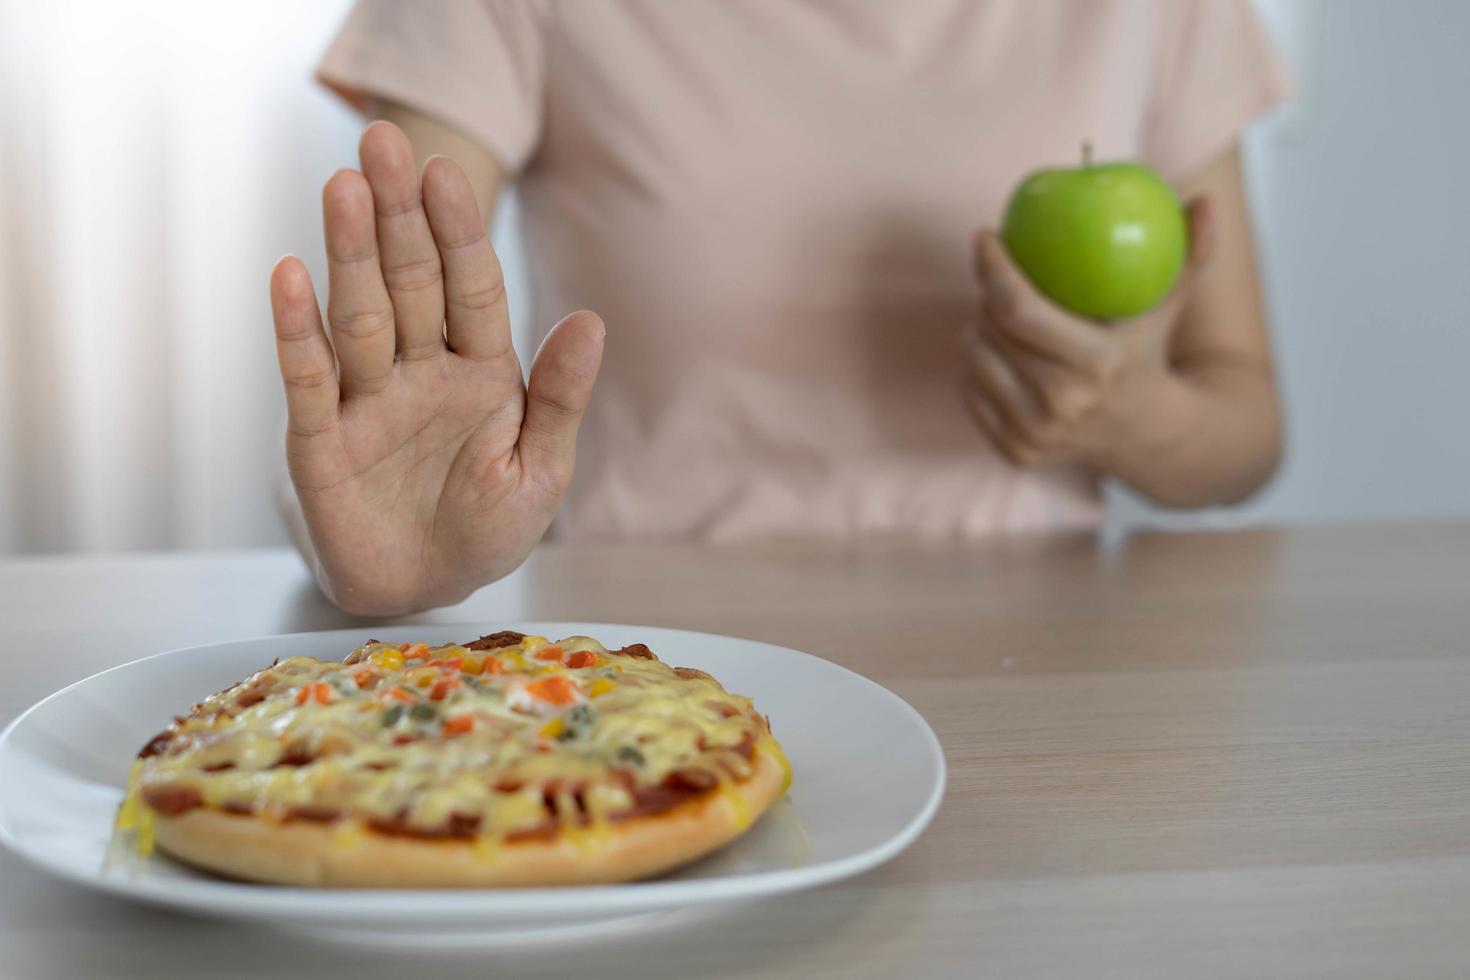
x=552 y=652
x=458 y=725
x=399 y=694
x=582 y=658
x=364 y=677
x=494 y=665
x=416 y=651
x=320 y=692
x=556 y=689
x=442 y=688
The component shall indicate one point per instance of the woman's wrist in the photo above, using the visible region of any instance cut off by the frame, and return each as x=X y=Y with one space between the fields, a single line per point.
x=1205 y=436
x=1150 y=431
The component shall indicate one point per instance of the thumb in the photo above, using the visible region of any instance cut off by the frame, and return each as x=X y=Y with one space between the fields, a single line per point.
x=1200 y=216
x=561 y=381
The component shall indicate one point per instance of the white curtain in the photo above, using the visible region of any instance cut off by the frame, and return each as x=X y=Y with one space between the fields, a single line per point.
x=156 y=159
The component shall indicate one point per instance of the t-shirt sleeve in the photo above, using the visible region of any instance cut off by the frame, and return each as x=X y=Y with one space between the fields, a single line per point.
x=476 y=65
x=1217 y=70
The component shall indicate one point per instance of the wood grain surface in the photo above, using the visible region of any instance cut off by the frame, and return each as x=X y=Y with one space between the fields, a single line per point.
x=1205 y=754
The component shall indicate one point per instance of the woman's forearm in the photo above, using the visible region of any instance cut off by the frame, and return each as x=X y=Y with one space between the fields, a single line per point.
x=1211 y=436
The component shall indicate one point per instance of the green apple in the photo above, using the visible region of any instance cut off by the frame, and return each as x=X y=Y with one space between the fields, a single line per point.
x=1103 y=240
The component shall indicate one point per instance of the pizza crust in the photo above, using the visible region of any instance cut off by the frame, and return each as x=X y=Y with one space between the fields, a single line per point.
x=304 y=853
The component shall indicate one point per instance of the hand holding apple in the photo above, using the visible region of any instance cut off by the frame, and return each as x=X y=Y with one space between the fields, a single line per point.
x=1048 y=385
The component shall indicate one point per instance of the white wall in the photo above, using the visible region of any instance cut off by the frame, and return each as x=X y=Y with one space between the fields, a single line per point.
x=1363 y=220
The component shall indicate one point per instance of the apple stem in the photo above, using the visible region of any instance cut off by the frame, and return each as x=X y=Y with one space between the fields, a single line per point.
x=1086 y=153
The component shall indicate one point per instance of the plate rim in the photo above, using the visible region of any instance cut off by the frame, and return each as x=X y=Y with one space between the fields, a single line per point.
x=244 y=899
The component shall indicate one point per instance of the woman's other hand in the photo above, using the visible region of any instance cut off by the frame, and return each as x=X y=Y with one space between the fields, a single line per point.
x=1180 y=402
x=1049 y=386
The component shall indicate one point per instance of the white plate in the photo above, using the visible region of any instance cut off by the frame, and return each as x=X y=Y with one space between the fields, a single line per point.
x=869 y=775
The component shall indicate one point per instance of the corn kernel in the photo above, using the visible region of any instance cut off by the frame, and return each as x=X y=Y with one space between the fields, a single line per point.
x=388 y=659
x=553 y=728
x=600 y=687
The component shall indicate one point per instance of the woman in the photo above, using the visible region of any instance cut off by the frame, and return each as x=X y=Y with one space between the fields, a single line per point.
x=774 y=208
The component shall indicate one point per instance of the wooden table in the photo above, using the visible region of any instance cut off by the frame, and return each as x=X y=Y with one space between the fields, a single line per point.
x=1179 y=756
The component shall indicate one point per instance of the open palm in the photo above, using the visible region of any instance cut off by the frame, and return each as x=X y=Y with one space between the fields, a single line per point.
x=424 y=466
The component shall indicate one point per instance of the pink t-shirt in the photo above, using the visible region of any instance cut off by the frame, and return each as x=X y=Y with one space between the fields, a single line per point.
x=771 y=205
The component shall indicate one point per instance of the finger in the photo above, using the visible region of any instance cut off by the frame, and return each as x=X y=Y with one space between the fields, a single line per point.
x=474 y=287
x=1060 y=391
x=1028 y=317
x=1201 y=217
x=410 y=262
x=995 y=430
x=308 y=369
x=997 y=381
x=358 y=307
x=562 y=375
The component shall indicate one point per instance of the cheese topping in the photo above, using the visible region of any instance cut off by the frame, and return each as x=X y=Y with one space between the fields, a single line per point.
x=508 y=737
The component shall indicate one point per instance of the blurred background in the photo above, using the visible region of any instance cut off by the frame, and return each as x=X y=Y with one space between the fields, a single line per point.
x=157 y=158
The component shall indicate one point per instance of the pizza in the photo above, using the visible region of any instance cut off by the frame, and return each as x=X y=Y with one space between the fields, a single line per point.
x=510 y=760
